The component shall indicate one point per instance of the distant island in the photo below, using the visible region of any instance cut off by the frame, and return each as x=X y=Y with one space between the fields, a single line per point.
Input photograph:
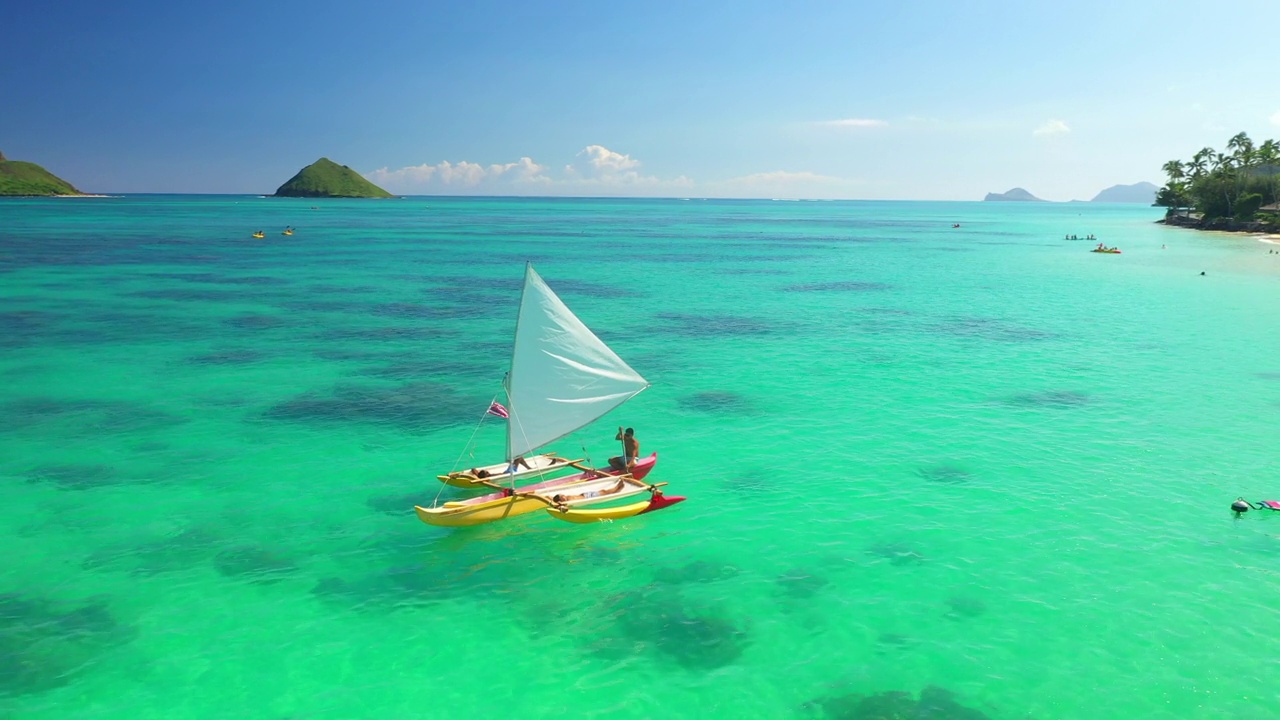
x=1143 y=192
x=27 y=178
x=1014 y=195
x=326 y=178
x=1237 y=191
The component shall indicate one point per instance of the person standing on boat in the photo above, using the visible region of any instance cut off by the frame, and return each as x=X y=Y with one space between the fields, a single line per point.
x=630 y=450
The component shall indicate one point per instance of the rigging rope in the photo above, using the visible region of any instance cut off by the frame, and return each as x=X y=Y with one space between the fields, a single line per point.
x=465 y=449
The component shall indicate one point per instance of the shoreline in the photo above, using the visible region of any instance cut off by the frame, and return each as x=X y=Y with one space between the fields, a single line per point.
x=1219 y=225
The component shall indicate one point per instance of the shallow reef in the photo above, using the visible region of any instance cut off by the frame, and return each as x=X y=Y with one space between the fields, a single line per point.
x=717 y=401
x=896 y=553
x=45 y=644
x=933 y=703
x=1050 y=399
x=412 y=407
x=949 y=474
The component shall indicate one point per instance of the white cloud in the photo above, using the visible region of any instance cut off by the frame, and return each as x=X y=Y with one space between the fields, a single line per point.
x=1275 y=119
x=603 y=160
x=462 y=174
x=599 y=171
x=852 y=123
x=1051 y=128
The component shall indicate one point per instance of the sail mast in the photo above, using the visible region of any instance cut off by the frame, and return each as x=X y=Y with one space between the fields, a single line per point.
x=513 y=418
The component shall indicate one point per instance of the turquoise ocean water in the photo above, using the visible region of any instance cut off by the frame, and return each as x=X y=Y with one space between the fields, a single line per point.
x=979 y=459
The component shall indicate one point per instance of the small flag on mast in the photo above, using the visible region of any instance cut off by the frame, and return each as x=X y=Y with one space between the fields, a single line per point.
x=496 y=409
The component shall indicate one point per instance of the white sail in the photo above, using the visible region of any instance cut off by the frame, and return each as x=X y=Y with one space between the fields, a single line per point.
x=562 y=376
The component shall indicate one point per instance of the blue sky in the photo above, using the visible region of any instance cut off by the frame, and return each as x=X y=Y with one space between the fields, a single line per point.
x=913 y=100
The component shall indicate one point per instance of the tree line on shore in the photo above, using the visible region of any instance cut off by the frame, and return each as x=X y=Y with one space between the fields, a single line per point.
x=1231 y=185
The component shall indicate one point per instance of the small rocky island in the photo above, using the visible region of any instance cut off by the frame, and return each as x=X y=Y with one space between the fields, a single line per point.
x=29 y=179
x=1015 y=195
x=326 y=178
x=1143 y=192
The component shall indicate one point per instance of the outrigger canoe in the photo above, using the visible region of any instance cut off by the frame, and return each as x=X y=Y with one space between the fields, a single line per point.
x=538 y=465
x=510 y=503
x=1109 y=251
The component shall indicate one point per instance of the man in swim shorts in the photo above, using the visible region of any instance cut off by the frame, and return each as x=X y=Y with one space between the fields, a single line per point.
x=630 y=451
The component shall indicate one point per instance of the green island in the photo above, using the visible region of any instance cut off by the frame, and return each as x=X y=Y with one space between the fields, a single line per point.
x=28 y=179
x=1235 y=191
x=326 y=178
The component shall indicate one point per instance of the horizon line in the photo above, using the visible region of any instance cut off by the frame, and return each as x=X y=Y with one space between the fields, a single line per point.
x=106 y=194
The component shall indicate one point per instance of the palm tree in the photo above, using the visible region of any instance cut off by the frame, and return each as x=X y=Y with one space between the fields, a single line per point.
x=1198 y=163
x=1268 y=157
x=1241 y=145
x=1175 y=170
x=1221 y=162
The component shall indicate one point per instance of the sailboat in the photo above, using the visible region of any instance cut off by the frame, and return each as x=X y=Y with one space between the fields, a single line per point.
x=562 y=378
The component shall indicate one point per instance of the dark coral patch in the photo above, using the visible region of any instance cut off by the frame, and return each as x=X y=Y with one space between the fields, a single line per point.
x=840 y=286
x=991 y=329
x=896 y=553
x=399 y=504
x=800 y=584
x=256 y=322
x=707 y=326
x=751 y=483
x=698 y=571
x=752 y=271
x=1050 y=399
x=206 y=295
x=934 y=703
x=394 y=589
x=73 y=476
x=88 y=416
x=227 y=357
x=415 y=407
x=434 y=369
x=19 y=328
x=586 y=288
x=415 y=311
x=659 y=619
x=963 y=606
x=45 y=645
x=894 y=641
x=214 y=279
x=174 y=553
x=717 y=402
x=949 y=474
x=253 y=563
x=383 y=334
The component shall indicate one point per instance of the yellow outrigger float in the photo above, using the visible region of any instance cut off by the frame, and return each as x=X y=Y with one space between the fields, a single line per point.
x=562 y=378
x=567 y=507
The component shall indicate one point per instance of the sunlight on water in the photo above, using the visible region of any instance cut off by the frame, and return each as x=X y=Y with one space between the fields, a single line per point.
x=963 y=473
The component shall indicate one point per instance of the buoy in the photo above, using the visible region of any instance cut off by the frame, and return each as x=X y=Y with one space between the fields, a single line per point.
x=1239 y=506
